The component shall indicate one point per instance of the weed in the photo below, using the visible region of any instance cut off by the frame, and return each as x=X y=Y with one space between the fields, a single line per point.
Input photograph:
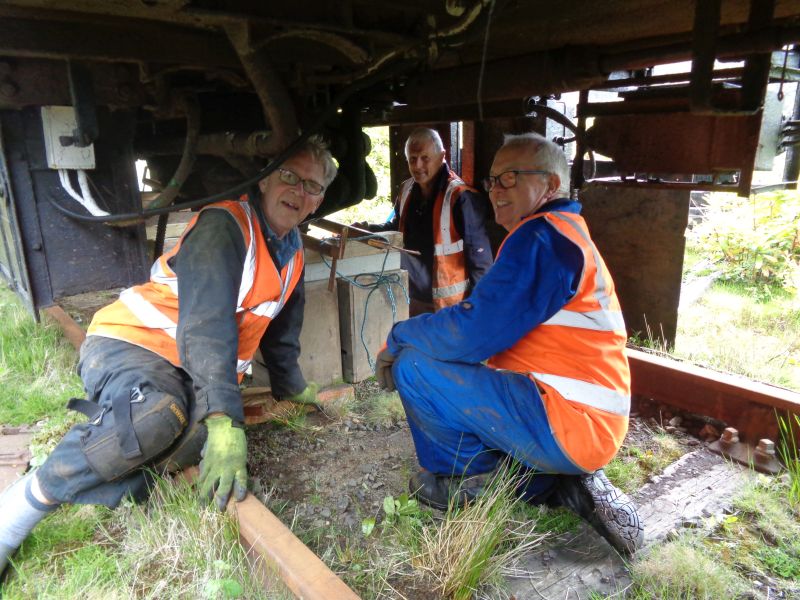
x=172 y=547
x=633 y=466
x=778 y=561
x=760 y=340
x=682 y=569
x=475 y=545
x=789 y=453
x=36 y=366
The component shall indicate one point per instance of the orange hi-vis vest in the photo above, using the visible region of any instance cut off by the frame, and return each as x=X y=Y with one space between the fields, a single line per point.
x=450 y=279
x=577 y=358
x=147 y=314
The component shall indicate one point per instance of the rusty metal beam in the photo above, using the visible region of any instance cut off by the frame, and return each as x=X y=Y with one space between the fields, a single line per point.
x=746 y=405
x=573 y=68
x=114 y=39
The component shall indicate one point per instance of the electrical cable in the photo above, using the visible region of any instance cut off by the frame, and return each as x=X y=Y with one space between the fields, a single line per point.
x=241 y=188
x=85 y=198
x=380 y=279
x=483 y=61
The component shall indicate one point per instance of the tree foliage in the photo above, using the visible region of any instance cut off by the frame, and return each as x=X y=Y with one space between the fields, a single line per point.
x=754 y=241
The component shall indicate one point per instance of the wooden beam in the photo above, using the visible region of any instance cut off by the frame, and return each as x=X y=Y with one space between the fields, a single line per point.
x=301 y=570
x=747 y=405
x=72 y=331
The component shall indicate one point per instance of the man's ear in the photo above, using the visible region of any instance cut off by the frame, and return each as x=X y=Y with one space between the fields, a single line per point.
x=262 y=185
x=554 y=183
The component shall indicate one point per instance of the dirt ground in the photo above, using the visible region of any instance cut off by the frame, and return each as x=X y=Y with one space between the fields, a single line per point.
x=327 y=475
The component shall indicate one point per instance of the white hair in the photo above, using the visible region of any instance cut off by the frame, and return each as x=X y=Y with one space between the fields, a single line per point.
x=548 y=155
x=425 y=134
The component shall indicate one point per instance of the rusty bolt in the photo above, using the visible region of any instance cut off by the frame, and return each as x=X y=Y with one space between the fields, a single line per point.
x=729 y=437
x=8 y=88
x=766 y=446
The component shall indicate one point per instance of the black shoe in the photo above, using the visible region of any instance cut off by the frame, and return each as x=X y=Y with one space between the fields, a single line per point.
x=440 y=491
x=610 y=511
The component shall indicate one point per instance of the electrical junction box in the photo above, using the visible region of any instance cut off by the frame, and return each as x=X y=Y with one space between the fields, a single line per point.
x=58 y=122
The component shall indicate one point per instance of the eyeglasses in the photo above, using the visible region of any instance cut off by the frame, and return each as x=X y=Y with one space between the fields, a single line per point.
x=309 y=185
x=508 y=179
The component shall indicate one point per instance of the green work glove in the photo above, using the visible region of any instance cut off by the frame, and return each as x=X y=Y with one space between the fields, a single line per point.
x=224 y=464
x=307 y=396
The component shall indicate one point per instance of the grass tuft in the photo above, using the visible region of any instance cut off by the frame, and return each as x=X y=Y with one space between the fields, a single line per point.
x=683 y=569
x=478 y=544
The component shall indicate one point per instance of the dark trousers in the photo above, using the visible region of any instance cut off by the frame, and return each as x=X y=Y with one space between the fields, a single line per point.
x=145 y=419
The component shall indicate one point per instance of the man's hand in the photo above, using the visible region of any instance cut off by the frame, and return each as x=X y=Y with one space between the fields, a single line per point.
x=307 y=396
x=383 y=370
x=224 y=464
x=361 y=225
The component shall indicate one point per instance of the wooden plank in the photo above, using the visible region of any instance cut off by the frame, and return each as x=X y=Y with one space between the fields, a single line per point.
x=696 y=486
x=640 y=234
x=72 y=331
x=747 y=405
x=301 y=570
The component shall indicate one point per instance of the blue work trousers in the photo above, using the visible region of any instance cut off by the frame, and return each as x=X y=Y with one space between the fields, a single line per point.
x=465 y=418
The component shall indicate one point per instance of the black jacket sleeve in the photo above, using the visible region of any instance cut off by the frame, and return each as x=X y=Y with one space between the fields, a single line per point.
x=280 y=345
x=470 y=214
x=209 y=268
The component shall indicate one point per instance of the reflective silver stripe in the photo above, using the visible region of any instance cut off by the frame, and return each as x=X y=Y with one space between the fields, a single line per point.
x=242 y=365
x=158 y=275
x=450 y=290
x=405 y=192
x=600 y=286
x=271 y=308
x=444 y=250
x=148 y=314
x=447 y=246
x=249 y=271
x=587 y=393
x=597 y=320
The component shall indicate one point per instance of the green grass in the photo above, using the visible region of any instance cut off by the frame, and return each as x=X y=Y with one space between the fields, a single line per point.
x=172 y=547
x=731 y=331
x=684 y=569
x=37 y=366
x=633 y=466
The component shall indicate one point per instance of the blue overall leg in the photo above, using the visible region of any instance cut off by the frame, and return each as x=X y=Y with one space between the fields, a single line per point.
x=465 y=418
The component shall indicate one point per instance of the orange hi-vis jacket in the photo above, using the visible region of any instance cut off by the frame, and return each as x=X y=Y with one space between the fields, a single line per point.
x=577 y=358
x=147 y=314
x=450 y=278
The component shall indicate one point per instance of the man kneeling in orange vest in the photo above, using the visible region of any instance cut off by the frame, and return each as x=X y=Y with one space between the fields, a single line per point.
x=555 y=392
x=162 y=365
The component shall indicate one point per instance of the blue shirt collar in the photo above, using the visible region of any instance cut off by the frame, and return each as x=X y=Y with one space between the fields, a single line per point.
x=561 y=205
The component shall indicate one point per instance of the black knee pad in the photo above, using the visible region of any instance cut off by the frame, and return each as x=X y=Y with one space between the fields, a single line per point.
x=186 y=451
x=150 y=421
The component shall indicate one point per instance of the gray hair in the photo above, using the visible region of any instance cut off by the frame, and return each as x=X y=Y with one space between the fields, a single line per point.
x=317 y=148
x=549 y=156
x=425 y=134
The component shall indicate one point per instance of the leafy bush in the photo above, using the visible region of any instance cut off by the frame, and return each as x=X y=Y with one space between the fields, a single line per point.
x=754 y=241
